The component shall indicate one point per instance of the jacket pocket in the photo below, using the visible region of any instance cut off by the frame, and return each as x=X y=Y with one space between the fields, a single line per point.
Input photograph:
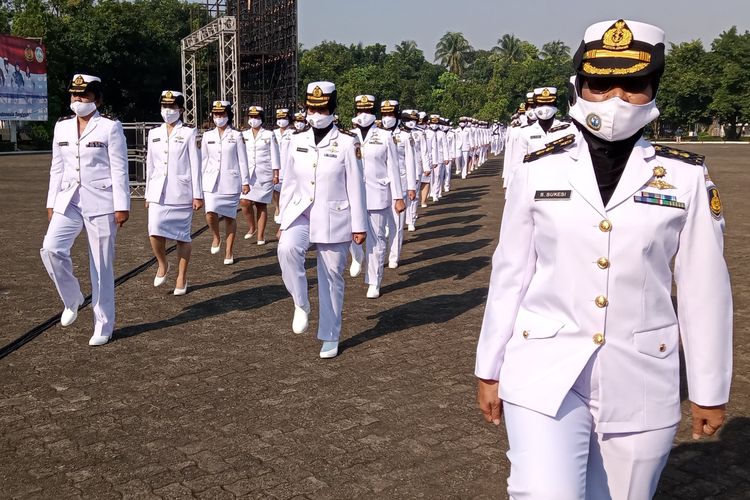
x=658 y=343
x=338 y=205
x=102 y=183
x=531 y=325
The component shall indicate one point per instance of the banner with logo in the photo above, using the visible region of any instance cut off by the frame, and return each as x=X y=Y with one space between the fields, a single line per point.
x=23 y=79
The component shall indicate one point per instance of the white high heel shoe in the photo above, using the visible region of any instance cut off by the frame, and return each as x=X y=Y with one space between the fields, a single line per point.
x=160 y=280
x=215 y=249
x=181 y=291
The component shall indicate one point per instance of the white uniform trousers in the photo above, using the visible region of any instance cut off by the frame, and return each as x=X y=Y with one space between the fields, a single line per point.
x=293 y=245
x=412 y=206
x=376 y=244
x=565 y=458
x=447 y=171
x=396 y=234
x=436 y=183
x=464 y=161
x=100 y=231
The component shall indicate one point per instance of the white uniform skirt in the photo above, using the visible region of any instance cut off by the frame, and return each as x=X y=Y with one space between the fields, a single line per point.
x=170 y=221
x=260 y=192
x=222 y=204
x=277 y=187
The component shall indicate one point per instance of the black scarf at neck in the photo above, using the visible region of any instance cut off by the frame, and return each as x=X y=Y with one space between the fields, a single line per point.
x=319 y=133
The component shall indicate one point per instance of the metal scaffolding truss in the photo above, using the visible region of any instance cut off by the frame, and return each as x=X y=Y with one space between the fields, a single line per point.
x=224 y=31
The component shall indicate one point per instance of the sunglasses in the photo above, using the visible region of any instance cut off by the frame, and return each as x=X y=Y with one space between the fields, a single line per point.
x=629 y=85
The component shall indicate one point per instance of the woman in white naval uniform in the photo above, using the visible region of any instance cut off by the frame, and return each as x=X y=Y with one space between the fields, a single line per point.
x=173 y=187
x=383 y=187
x=322 y=202
x=283 y=133
x=225 y=176
x=389 y=113
x=263 y=166
x=422 y=163
x=579 y=327
x=88 y=188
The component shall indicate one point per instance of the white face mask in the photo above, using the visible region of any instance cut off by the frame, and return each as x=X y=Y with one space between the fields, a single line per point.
x=364 y=119
x=255 y=122
x=613 y=119
x=545 y=112
x=462 y=125
x=317 y=120
x=170 y=115
x=389 y=121
x=411 y=124
x=221 y=121
x=433 y=126
x=530 y=115
x=299 y=125
x=82 y=108
x=282 y=123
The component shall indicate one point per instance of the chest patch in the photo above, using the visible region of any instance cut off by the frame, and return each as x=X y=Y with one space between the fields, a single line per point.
x=330 y=155
x=663 y=200
x=552 y=195
x=96 y=144
x=302 y=150
x=65 y=143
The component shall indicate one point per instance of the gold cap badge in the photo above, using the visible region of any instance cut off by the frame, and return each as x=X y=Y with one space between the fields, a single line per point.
x=168 y=95
x=618 y=37
x=317 y=92
x=545 y=93
x=78 y=80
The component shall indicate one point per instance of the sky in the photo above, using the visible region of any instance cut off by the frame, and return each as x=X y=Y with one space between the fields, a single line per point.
x=484 y=21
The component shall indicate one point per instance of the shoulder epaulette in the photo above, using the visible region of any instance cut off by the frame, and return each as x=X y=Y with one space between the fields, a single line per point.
x=562 y=126
x=188 y=125
x=679 y=154
x=108 y=117
x=347 y=132
x=68 y=117
x=300 y=131
x=552 y=147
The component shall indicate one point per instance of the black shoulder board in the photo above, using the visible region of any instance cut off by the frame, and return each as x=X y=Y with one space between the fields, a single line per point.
x=68 y=117
x=188 y=125
x=552 y=147
x=108 y=117
x=300 y=131
x=346 y=132
x=562 y=126
x=679 y=154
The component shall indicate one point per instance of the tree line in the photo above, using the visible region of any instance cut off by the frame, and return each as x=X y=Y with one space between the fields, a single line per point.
x=135 y=47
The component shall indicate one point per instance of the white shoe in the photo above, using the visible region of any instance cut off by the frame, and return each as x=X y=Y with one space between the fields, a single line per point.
x=329 y=350
x=180 y=291
x=446 y=190
x=261 y=242
x=434 y=199
x=299 y=322
x=250 y=234
x=392 y=265
x=229 y=261
x=160 y=280
x=215 y=249
x=277 y=219
x=355 y=268
x=70 y=314
x=373 y=292
x=98 y=339
x=411 y=228
x=423 y=205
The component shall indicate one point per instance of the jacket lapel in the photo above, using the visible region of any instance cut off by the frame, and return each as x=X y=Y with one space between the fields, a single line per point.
x=634 y=177
x=582 y=178
x=90 y=126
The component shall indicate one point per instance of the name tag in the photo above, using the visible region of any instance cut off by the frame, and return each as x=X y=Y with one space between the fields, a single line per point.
x=536 y=137
x=96 y=144
x=663 y=200
x=552 y=195
x=62 y=143
x=330 y=155
x=211 y=142
x=156 y=140
x=302 y=150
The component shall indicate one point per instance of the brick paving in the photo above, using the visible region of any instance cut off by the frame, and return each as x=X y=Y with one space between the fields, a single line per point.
x=211 y=395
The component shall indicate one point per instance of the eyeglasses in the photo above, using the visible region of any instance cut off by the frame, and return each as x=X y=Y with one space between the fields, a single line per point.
x=629 y=85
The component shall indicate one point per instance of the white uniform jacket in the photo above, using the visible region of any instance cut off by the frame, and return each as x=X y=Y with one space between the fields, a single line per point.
x=262 y=155
x=570 y=277
x=95 y=166
x=436 y=155
x=533 y=138
x=326 y=178
x=421 y=152
x=380 y=161
x=283 y=139
x=442 y=146
x=224 y=162
x=173 y=166
x=450 y=144
x=407 y=164
x=466 y=139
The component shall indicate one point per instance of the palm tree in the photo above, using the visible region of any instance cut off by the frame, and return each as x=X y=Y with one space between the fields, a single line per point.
x=408 y=49
x=453 y=51
x=510 y=48
x=555 y=50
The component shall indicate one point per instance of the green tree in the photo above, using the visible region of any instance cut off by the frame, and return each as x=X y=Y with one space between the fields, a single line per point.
x=510 y=49
x=452 y=52
x=730 y=69
x=555 y=50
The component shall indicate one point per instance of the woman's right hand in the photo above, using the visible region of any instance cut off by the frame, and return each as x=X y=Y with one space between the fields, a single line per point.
x=50 y=211
x=145 y=204
x=488 y=400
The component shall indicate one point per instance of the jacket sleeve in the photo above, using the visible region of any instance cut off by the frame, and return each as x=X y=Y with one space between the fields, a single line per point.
x=394 y=173
x=704 y=298
x=355 y=189
x=513 y=264
x=118 y=165
x=289 y=183
x=275 y=163
x=411 y=164
x=149 y=160
x=56 y=169
x=242 y=158
x=196 y=170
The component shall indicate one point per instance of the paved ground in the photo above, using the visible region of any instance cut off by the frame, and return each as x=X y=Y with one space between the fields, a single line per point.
x=210 y=395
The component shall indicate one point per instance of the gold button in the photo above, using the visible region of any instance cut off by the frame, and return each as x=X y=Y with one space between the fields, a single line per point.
x=312 y=182
x=525 y=334
x=662 y=347
x=601 y=301
x=605 y=226
x=603 y=263
x=598 y=338
x=311 y=199
x=315 y=165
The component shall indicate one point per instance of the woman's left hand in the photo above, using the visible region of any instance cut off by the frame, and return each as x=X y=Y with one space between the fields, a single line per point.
x=707 y=419
x=197 y=203
x=245 y=188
